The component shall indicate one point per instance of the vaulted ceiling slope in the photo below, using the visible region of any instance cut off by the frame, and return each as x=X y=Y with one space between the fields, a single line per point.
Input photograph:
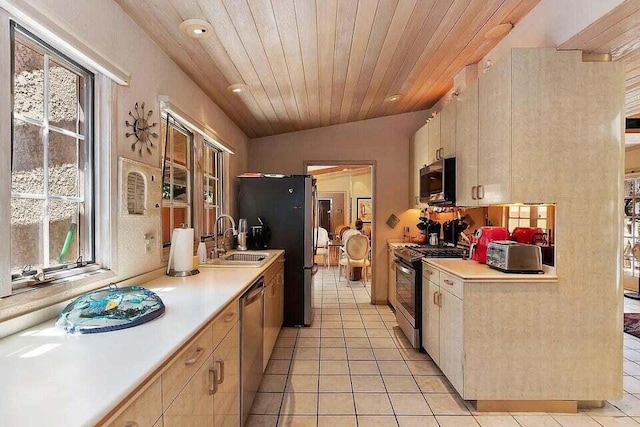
x=312 y=63
x=617 y=33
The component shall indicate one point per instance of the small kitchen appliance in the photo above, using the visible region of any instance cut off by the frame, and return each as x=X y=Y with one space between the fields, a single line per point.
x=513 y=257
x=438 y=183
x=483 y=236
x=260 y=236
x=529 y=235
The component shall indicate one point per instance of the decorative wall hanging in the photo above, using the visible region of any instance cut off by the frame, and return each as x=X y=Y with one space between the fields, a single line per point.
x=141 y=129
x=365 y=211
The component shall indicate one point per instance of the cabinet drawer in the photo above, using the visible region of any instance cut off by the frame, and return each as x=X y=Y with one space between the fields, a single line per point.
x=184 y=366
x=143 y=411
x=430 y=273
x=451 y=284
x=223 y=323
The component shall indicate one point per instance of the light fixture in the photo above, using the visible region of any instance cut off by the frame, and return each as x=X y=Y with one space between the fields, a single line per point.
x=499 y=30
x=238 y=88
x=196 y=28
x=393 y=98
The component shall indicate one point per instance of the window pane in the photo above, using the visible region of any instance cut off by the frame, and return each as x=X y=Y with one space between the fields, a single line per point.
x=166 y=225
x=214 y=191
x=63 y=232
x=208 y=195
x=26 y=233
x=513 y=223
x=210 y=217
x=180 y=187
x=180 y=216
x=64 y=161
x=629 y=185
x=28 y=82
x=27 y=169
x=180 y=147
x=542 y=223
x=525 y=211
x=64 y=98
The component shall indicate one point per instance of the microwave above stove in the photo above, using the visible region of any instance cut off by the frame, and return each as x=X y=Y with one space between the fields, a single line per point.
x=438 y=183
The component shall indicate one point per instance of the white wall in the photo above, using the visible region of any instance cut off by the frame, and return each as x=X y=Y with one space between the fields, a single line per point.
x=551 y=23
x=384 y=140
x=105 y=27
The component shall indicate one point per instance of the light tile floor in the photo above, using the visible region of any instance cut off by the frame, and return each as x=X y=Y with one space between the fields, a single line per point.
x=353 y=367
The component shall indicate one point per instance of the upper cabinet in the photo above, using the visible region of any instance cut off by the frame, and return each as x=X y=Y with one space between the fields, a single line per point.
x=494 y=136
x=419 y=158
x=448 y=129
x=466 y=146
x=435 y=144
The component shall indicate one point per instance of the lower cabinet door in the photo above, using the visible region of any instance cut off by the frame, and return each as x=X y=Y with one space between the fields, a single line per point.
x=451 y=347
x=226 y=401
x=143 y=411
x=431 y=319
x=194 y=404
x=270 y=313
x=279 y=314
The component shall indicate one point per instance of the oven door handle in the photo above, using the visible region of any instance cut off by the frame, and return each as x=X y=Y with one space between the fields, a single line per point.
x=403 y=269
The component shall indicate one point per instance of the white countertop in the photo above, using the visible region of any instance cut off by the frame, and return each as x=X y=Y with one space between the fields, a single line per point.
x=50 y=378
x=474 y=271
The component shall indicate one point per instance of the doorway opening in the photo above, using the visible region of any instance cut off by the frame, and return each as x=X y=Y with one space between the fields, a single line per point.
x=346 y=206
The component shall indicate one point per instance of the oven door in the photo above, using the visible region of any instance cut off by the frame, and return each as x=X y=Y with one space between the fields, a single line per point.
x=406 y=302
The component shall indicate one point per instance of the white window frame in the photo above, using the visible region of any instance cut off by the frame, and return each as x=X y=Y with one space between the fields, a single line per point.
x=218 y=178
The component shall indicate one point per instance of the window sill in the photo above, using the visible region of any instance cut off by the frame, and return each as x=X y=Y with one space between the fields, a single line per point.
x=27 y=302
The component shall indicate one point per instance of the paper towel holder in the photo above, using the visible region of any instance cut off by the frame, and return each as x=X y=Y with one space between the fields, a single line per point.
x=174 y=273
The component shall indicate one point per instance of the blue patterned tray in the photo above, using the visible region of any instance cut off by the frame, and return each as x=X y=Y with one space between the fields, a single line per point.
x=110 y=309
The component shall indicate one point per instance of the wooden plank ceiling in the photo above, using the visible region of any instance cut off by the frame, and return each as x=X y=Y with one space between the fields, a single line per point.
x=316 y=63
x=617 y=33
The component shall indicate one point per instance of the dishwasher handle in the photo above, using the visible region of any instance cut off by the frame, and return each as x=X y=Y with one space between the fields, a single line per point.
x=256 y=291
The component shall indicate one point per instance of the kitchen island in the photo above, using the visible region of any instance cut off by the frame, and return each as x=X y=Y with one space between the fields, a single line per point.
x=53 y=378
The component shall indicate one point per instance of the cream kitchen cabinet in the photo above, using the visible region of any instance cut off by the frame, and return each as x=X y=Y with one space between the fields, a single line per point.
x=226 y=399
x=466 y=146
x=448 y=129
x=435 y=144
x=419 y=159
x=193 y=406
x=273 y=308
x=144 y=410
x=442 y=315
x=451 y=355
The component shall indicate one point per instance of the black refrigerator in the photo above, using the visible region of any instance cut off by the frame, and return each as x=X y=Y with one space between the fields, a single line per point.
x=287 y=206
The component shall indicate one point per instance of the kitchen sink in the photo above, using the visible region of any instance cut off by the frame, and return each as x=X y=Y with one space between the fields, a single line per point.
x=239 y=259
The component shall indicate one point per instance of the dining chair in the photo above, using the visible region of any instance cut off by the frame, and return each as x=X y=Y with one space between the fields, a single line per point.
x=356 y=250
x=322 y=239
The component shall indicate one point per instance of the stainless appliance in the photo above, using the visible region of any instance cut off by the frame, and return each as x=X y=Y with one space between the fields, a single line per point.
x=287 y=205
x=438 y=183
x=409 y=285
x=251 y=336
x=513 y=257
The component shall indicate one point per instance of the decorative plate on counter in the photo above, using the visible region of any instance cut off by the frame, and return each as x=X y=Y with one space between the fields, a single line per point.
x=110 y=309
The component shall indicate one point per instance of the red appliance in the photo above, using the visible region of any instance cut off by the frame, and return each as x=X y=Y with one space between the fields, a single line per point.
x=484 y=236
x=528 y=235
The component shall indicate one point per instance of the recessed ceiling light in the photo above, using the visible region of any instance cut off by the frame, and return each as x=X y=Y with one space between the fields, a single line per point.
x=393 y=98
x=499 y=30
x=238 y=88
x=196 y=28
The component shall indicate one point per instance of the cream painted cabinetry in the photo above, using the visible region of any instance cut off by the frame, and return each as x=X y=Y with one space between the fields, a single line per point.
x=419 y=158
x=273 y=308
x=448 y=129
x=199 y=386
x=451 y=346
x=494 y=135
x=442 y=323
x=435 y=144
x=466 y=147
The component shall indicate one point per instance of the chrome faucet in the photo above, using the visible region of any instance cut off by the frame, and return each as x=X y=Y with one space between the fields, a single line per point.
x=217 y=251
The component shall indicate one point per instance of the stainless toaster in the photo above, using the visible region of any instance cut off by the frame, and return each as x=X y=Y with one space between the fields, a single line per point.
x=513 y=257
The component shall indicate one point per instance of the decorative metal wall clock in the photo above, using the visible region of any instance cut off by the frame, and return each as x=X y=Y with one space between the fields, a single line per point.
x=141 y=129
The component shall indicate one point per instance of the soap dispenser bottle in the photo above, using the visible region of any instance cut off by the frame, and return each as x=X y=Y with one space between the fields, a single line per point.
x=202 y=251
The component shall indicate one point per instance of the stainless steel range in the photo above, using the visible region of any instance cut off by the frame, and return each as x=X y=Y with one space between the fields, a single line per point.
x=409 y=285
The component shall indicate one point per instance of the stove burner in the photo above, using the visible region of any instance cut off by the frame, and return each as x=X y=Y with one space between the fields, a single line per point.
x=414 y=253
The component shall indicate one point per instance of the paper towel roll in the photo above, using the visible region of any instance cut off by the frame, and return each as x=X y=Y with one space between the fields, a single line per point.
x=182 y=248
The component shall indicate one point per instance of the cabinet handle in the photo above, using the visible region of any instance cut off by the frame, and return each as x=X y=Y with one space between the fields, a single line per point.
x=435 y=296
x=131 y=424
x=448 y=282
x=473 y=192
x=478 y=192
x=229 y=317
x=213 y=383
x=440 y=299
x=220 y=363
x=196 y=355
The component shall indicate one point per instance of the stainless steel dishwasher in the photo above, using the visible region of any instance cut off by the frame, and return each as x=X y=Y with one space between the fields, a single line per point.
x=251 y=337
